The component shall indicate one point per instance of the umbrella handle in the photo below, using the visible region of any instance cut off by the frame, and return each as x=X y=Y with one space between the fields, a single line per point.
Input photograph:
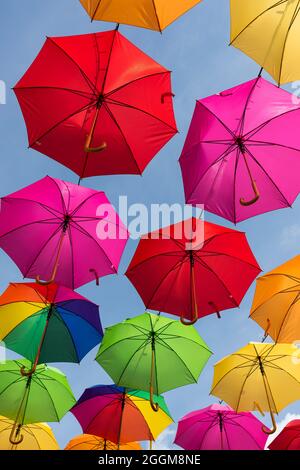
x=194 y=318
x=29 y=372
x=45 y=283
x=164 y=95
x=87 y=146
x=92 y=270
x=13 y=438
x=274 y=428
x=55 y=267
x=186 y=322
x=154 y=406
x=89 y=149
x=256 y=197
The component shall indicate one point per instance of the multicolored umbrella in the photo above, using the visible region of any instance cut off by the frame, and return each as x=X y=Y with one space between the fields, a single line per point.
x=241 y=157
x=90 y=442
x=120 y=415
x=289 y=438
x=43 y=225
x=218 y=427
x=150 y=14
x=48 y=323
x=146 y=350
x=37 y=436
x=97 y=104
x=263 y=377
x=276 y=302
x=42 y=396
x=268 y=32
x=192 y=269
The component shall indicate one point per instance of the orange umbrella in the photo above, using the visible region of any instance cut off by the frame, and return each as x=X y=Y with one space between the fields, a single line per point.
x=90 y=442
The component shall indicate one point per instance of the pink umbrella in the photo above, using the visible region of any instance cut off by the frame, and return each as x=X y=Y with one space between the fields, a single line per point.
x=59 y=231
x=241 y=156
x=218 y=427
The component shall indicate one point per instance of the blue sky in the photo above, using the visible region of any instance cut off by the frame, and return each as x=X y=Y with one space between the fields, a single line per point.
x=196 y=49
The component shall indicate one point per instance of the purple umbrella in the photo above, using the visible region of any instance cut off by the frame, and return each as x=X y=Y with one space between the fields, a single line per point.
x=60 y=231
x=218 y=427
x=241 y=157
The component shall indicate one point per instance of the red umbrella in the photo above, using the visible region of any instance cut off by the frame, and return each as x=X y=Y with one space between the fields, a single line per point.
x=289 y=438
x=191 y=276
x=99 y=94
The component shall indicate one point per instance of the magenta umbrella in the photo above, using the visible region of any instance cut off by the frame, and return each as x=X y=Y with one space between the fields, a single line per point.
x=241 y=157
x=219 y=427
x=54 y=230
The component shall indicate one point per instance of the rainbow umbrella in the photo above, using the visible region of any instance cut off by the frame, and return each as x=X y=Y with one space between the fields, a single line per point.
x=48 y=323
x=59 y=231
x=219 y=427
x=150 y=14
x=38 y=436
x=145 y=351
x=44 y=395
x=90 y=442
x=120 y=415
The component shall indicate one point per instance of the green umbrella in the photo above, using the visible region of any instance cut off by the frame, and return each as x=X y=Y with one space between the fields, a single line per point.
x=152 y=353
x=43 y=396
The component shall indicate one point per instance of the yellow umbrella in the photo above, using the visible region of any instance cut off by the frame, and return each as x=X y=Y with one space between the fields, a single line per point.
x=263 y=377
x=269 y=32
x=150 y=14
x=276 y=303
x=90 y=442
x=35 y=436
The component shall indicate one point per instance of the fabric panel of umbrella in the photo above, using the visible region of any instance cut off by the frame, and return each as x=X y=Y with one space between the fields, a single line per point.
x=38 y=436
x=90 y=442
x=288 y=438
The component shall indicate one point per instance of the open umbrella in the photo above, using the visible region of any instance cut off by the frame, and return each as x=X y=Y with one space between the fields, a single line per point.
x=120 y=415
x=218 y=427
x=54 y=230
x=289 y=438
x=263 y=377
x=37 y=436
x=192 y=269
x=144 y=352
x=276 y=306
x=241 y=156
x=150 y=14
x=97 y=104
x=48 y=323
x=42 y=396
x=268 y=31
x=90 y=442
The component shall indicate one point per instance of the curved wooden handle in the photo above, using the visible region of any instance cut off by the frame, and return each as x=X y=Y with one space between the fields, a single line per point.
x=256 y=197
x=44 y=283
x=186 y=322
x=274 y=428
x=29 y=372
x=165 y=95
x=89 y=149
x=154 y=406
x=14 y=439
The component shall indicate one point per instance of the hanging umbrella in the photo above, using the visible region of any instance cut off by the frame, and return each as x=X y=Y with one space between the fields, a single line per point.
x=241 y=156
x=37 y=436
x=218 y=427
x=289 y=438
x=48 y=323
x=268 y=32
x=263 y=377
x=97 y=104
x=144 y=352
x=90 y=442
x=120 y=415
x=276 y=302
x=192 y=269
x=42 y=396
x=42 y=224
x=150 y=14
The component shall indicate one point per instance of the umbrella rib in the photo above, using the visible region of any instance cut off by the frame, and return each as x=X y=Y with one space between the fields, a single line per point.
x=258 y=143
x=60 y=193
x=227 y=373
x=155 y=360
x=25 y=226
x=96 y=193
x=71 y=337
x=212 y=423
x=286 y=39
x=243 y=117
x=107 y=95
x=142 y=346
x=72 y=255
x=69 y=312
x=41 y=383
x=51 y=210
x=86 y=78
x=218 y=119
x=156 y=16
x=233 y=422
x=254 y=131
x=251 y=371
x=280 y=2
x=96 y=10
x=83 y=94
x=219 y=253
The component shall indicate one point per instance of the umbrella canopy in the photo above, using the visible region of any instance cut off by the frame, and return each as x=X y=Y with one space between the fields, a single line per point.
x=144 y=352
x=150 y=14
x=41 y=225
x=218 y=427
x=241 y=156
x=37 y=436
x=42 y=396
x=48 y=323
x=120 y=415
x=192 y=269
x=289 y=438
x=263 y=377
x=268 y=32
x=276 y=302
x=97 y=104
x=90 y=442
